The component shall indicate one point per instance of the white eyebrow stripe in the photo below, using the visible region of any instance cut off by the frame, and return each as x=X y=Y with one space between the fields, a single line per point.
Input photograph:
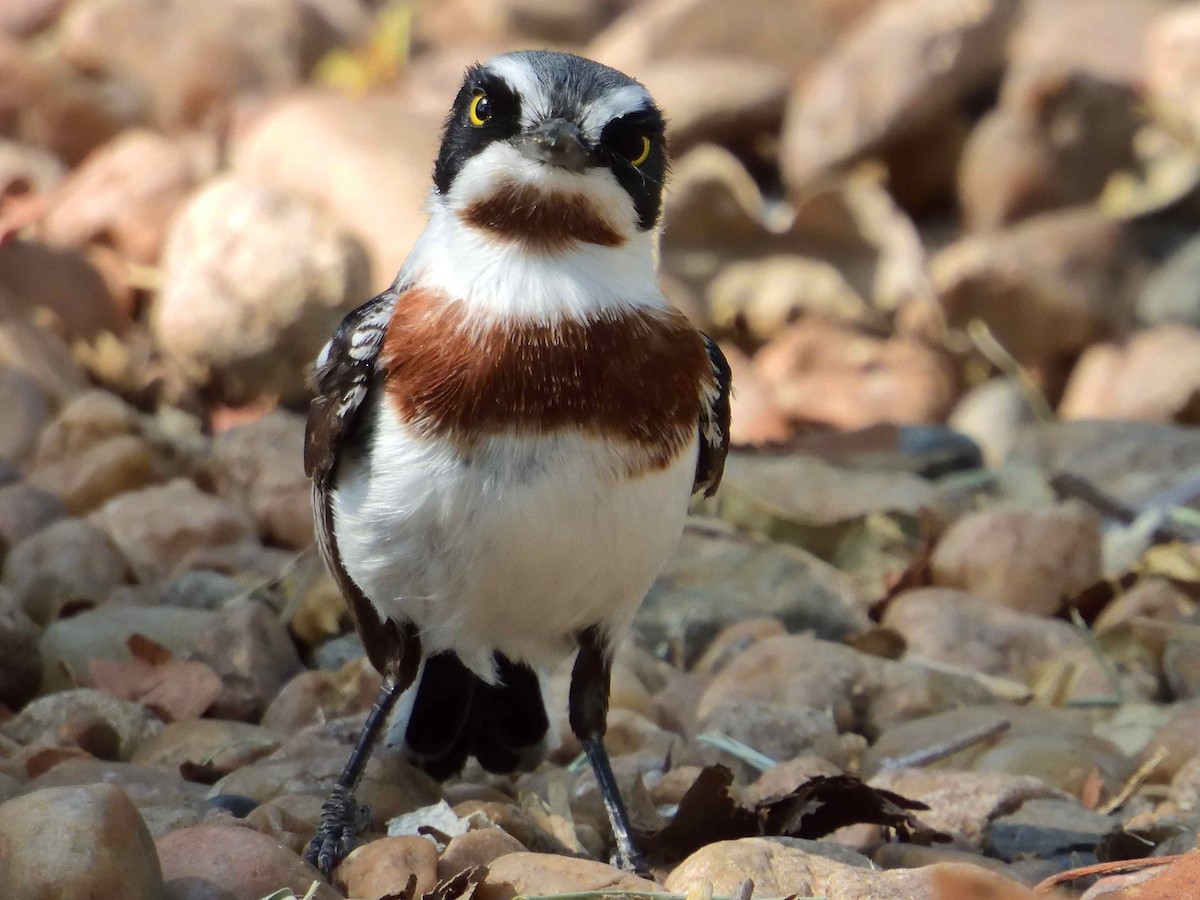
x=525 y=83
x=614 y=104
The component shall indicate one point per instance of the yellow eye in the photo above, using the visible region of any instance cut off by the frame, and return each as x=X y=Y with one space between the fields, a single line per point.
x=480 y=110
x=644 y=155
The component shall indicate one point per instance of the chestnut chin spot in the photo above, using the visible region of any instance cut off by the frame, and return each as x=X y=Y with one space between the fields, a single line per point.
x=541 y=219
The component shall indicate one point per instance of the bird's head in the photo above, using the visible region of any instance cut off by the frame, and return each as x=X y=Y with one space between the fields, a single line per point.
x=552 y=150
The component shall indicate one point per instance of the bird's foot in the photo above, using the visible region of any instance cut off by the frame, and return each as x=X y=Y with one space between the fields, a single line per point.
x=628 y=858
x=342 y=819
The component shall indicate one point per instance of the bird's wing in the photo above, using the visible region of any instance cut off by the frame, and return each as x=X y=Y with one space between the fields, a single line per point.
x=344 y=375
x=714 y=423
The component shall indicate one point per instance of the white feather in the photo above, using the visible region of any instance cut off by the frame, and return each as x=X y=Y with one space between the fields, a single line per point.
x=515 y=548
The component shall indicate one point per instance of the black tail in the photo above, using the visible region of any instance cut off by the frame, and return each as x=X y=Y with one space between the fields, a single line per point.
x=456 y=714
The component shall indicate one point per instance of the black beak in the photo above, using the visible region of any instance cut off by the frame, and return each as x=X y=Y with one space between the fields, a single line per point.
x=555 y=141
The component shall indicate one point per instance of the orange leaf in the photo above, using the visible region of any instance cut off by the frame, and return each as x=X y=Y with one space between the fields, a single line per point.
x=147 y=650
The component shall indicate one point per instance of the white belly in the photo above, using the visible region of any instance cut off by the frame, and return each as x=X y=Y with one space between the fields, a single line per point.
x=514 y=549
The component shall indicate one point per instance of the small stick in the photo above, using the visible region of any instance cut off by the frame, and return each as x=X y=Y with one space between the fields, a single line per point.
x=1105 y=868
x=1135 y=781
x=1067 y=484
x=745 y=889
x=1102 y=660
x=939 y=751
x=997 y=354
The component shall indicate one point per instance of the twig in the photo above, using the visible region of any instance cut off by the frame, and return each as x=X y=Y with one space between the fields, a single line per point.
x=1067 y=484
x=1102 y=660
x=745 y=890
x=997 y=354
x=939 y=751
x=1105 y=868
x=1134 y=782
x=734 y=747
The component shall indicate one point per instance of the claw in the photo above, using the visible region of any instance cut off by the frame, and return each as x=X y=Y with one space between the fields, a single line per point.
x=342 y=819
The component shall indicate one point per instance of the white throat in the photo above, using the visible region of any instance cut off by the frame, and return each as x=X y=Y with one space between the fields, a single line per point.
x=507 y=279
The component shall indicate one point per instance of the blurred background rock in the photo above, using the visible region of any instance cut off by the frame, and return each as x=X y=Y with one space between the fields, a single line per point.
x=933 y=236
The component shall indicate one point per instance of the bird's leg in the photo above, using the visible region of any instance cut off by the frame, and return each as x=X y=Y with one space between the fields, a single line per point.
x=588 y=713
x=341 y=816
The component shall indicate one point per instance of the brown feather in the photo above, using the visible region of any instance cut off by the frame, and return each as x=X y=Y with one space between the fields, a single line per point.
x=541 y=220
x=637 y=377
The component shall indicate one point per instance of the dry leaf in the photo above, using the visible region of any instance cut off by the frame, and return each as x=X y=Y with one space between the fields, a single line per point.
x=174 y=690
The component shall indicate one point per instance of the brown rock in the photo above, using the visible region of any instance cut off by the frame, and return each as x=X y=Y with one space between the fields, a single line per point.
x=223 y=49
x=85 y=421
x=735 y=638
x=990 y=414
x=746 y=98
x=115 y=466
x=224 y=745
x=20 y=658
x=528 y=874
x=65 y=562
x=1053 y=142
x=476 y=848
x=823 y=372
x=254 y=655
x=1177 y=739
x=254 y=281
x=958 y=628
x=291 y=819
x=146 y=788
x=50 y=104
x=777 y=866
x=963 y=803
x=24 y=511
x=902 y=66
x=1047 y=288
x=132 y=722
x=386 y=144
x=755 y=417
x=785 y=777
x=77 y=843
x=23 y=18
x=239 y=860
x=1171 y=66
x=386 y=865
x=791 y=670
x=390 y=786
x=1154 y=376
x=33 y=350
x=68 y=292
x=24 y=409
x=125 y=194
x=780 y=731
x=1025 y=560
x=942 y=880
x=69 y=645
x=157 y=527
x=790 y=35
x=310 y=698
x=1063 y=761
x=261 y=465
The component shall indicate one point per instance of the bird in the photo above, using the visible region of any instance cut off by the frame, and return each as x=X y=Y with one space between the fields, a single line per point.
x=503 y=445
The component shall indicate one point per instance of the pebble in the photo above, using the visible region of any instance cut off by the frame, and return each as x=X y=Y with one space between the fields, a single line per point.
x=1064 y=761
x=1026 y=560
x=219 y=743
x=296 y=272
x=529 y=874
x=250 y=648
x=68 y=645
x=77 y=843
x=99 y=473
x=385 y=866
x=24 y=511
x=20 y=658
x=132 y=722
x=24 y=408
x=779 y=867
x=476 y=848
x=68 y=561
x=1047 y=828
x=964 y=803
x=312 y=697
x=238 y=860
x=261 y=465
x=157 y=527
